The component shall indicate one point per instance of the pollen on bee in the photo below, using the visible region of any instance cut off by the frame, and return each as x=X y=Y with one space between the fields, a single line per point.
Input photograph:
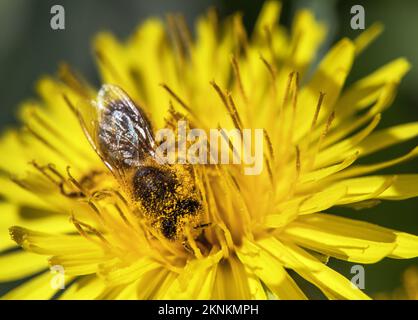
x=168 y=197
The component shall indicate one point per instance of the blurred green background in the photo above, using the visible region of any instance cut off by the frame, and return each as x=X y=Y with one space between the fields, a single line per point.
x=29 y=48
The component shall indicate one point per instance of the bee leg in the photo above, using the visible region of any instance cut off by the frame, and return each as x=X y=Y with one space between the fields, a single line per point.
x=71 y=194
x=52 y=174
x=203 y=225
x=187 y=247
x=88 y=180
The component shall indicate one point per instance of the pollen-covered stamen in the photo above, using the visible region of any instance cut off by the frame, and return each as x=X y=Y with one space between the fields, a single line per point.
x=269 y=144
x=231 y=145
x=313 y=127
x=298 y=164
x=293 y=184
x=317 y=148
x=122 y=215
x=286 y=92
x=87 y=231
x=180 y=35
x=74 y=80
x=229 y=104
x=269 y=170
x=178 y=99
x=287 y=114
x=234 y=112
x=79 y=185
x=282 y=115
x=55 y=177
x=317 y=110
x=269 y=158
x=220 y=94
x=174 y=117
x=238 y=78
x=273 y=74
x=96 y=210
x=295 y=92
x=49 y=171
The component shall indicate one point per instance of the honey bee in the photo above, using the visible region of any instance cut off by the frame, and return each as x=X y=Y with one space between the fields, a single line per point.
x=122 y=135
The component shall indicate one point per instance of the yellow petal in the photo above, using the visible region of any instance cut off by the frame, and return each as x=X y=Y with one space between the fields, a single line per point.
x=37 y=288
x=370 y=88
x=8 y=214
x=86 y=288
x=81 y=263
x=234 y=282
x=330 y=282
x=346 y=147
x=346 y=122
x=196 y=281
x=328 y=78
x=51 y=244
x=112 y=62
x=342 y=238
x=388 y=137
x=19 y=264
x=10 y=145
x=363 y=169
x=307 y=36
x=14 y=193
x=328 y=171
x=268 y=17
x=316 y=202
x=376 y=187
x=270 y=271
x=118 y=274
x=406 y=246
x=155 y=68
x=150 y=283
x=367 y=36
x=164 y=286
x=33 y=218
x=391 y=72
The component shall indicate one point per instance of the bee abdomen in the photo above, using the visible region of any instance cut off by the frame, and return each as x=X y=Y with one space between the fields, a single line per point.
x=169 y=228
x=153 y=187
x=187 y=206
x=157 y=190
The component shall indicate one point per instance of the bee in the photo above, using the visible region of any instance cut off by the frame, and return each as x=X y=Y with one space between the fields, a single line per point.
x=122 y=135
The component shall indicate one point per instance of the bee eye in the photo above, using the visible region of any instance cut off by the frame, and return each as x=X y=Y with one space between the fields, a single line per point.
x=168 y=228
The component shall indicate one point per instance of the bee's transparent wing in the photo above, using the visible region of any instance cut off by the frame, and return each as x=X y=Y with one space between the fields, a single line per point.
x=118 y=130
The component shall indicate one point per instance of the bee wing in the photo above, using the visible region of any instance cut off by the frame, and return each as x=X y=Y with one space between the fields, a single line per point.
x=118 y=130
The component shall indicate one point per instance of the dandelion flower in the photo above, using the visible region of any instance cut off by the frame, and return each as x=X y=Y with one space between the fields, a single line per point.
x=62 y=205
